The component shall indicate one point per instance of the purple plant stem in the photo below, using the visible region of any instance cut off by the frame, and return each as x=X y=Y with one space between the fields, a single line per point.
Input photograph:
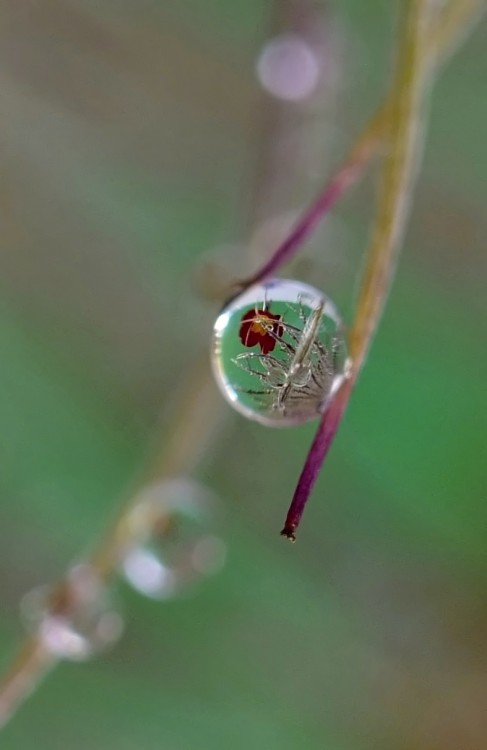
x=454 y=19
x=307 y=224
x=317 y=453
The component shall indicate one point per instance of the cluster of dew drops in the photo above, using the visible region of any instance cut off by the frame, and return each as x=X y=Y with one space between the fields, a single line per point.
x=172 y=548
x=278 y=354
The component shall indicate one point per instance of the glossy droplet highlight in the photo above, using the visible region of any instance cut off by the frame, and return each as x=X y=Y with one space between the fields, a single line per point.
x=279 y=352
x=175 y=544
x=75 y=620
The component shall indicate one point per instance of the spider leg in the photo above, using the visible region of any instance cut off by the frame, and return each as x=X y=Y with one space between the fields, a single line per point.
x=283 y=344
x=265 y=360
x=251 y=392
x=292 y=332
x=251 y=371
x=262 y=358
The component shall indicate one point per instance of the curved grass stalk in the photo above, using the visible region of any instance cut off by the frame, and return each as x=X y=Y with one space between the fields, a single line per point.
x=452 y=24
x=396 y=185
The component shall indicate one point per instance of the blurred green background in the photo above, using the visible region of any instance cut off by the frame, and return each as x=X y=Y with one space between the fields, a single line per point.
x=138 y=151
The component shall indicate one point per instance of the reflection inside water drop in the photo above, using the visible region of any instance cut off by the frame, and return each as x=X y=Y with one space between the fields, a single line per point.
x=279 y=352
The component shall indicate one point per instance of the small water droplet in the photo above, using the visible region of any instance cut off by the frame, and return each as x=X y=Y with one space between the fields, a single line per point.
x=175 y=544
x=279 y=352
x=75 y=620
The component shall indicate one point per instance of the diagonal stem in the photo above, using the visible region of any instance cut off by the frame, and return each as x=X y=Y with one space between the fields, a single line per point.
x=396 y=185
x=30 y=666
x=458 y=14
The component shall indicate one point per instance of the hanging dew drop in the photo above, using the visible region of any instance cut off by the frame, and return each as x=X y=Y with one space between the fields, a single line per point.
x=75 y=622
x=279 y=352
x=174 y=543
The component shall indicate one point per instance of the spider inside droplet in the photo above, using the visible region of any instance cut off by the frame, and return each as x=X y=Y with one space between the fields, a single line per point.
x=279 y=352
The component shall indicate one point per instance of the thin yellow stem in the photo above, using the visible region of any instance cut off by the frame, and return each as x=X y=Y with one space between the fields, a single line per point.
x=26 y=671
x=458 y=14
x=396 y=183
x=193 y=429
x=457 y=18
x=396 y=180
x=454 y=22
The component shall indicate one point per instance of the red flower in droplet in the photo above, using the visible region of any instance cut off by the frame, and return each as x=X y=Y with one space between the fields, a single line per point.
x=260 y=327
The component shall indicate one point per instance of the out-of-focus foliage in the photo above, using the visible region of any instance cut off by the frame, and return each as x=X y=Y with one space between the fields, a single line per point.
x=129 y=136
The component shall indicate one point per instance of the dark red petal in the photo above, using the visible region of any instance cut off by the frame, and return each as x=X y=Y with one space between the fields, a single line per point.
x=249 y=315
x=248 y=337
x=267 y=343
x=244 y=329
x=246 y=324
x=252 y=339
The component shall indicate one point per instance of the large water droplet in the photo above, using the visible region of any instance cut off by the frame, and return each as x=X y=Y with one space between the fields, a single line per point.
x=279 y=352
x=74 y=620
x=175 y=544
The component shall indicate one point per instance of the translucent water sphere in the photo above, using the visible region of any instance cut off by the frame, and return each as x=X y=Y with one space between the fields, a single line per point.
x=175 y=544
x=75 y=620
x=279 y=352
